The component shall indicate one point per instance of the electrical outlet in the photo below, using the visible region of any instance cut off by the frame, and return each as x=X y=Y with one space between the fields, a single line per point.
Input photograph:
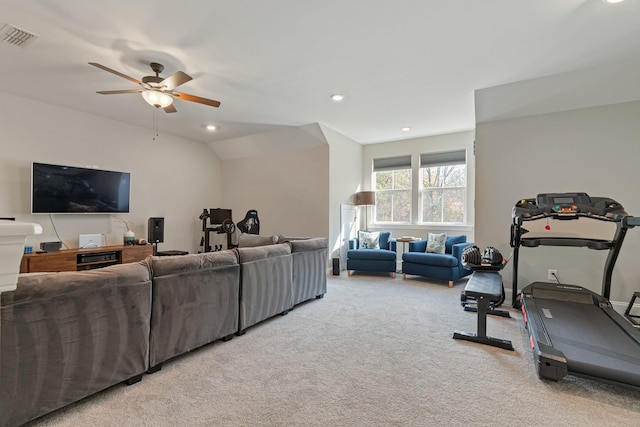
x=552 y=274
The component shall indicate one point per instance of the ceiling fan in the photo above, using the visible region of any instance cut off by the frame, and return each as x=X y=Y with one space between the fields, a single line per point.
x=158 y=91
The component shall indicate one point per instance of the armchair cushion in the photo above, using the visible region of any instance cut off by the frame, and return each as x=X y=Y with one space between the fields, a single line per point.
x=437 y=260
x=372 y=254
x=418 y=246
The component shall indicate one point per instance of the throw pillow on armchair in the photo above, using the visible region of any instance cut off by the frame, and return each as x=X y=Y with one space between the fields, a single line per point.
x=436 y=243
x=369 y=239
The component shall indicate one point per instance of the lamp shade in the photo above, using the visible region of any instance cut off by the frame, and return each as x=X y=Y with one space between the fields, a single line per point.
x=365 y=198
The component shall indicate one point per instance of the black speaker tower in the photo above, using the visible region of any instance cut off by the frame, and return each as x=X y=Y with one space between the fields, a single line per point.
x=155 y=232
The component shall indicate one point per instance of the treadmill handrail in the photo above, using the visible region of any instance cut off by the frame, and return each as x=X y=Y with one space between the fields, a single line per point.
x=596 y=208
x=524 y=216
x=631 y=221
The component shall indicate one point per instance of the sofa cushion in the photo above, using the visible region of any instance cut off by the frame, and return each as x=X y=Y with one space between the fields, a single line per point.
x=266 y=281
x=166 y=265
x=436 y=260
x=252 y=254
x=369 y=239
x=436 y=243
x=252 y=240
x=309 y=244
x=371 y=254
x=195 y=301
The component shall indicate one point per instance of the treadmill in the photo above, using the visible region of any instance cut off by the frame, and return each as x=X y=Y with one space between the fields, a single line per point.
x=572 y=330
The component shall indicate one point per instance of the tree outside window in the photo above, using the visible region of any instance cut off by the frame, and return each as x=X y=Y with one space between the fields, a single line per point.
x=443 y=190
x=393 y=195
x=443 y=187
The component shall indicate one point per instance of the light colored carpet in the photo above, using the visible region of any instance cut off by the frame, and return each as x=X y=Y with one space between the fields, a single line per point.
x=375 y=351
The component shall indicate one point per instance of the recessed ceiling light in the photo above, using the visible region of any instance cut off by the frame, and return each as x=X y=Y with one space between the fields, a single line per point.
x=406 y=129
x=337 y=97
x=211 y=128
x=613 y=1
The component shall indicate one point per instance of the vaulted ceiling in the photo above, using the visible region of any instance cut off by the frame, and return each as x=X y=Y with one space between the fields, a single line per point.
x=274 y=64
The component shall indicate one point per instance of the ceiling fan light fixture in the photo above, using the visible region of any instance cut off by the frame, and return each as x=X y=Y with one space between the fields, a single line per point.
x=157 y=99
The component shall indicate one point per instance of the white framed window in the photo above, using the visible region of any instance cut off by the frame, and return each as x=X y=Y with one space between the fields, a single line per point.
x=443 y=187
x=392 y=182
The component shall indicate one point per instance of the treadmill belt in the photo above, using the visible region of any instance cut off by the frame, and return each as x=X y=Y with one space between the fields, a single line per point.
x=593 y=344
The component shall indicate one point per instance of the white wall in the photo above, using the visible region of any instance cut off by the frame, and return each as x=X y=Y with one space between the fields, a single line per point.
x=171 y=177
x=594 y=150
x=345 y=174
x=415 y=147
x=289 y=189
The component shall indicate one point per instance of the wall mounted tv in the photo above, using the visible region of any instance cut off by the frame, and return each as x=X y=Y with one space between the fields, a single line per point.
x=67 y=189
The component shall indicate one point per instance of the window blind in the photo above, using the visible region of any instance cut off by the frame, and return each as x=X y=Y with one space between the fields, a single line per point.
x=392 y=163
x=441 y=159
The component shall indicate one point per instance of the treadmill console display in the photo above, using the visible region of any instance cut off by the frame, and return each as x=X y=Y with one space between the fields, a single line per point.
x=565 y=203
x=568 y=206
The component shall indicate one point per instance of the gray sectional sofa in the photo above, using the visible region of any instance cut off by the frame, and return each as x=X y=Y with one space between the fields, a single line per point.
x=194 y=302
x=65 y=336
x=265 y=283
x=309 y=269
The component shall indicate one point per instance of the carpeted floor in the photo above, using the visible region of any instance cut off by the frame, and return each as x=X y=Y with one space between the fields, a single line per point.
x=375 y=351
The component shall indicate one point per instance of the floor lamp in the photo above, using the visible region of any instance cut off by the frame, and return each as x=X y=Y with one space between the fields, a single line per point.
x=366 y=198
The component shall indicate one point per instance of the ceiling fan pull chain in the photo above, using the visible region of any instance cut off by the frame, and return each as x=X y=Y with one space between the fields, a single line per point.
x=155 y=124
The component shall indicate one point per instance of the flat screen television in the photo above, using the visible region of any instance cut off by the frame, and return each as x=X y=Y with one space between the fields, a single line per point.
x=217 y=216
x=68 y=189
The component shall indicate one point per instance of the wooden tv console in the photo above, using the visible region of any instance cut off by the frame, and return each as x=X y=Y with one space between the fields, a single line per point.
x=83 y=259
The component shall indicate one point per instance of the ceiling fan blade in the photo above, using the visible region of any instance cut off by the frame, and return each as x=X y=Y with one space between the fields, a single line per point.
x=193 y=98
x=175 y=80
x=117 y=73
x=170 y=109
x=114 y=92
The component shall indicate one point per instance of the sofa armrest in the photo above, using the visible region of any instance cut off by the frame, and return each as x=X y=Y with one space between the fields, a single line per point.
x=456 y=250
x=353 y=243
x=393 y=244
x=418 y=246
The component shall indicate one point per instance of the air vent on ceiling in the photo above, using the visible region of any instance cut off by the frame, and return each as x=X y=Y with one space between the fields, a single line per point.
x=15 y=36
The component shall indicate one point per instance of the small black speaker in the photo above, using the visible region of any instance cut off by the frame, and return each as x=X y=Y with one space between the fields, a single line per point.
x=155 y=230
x=336 y=266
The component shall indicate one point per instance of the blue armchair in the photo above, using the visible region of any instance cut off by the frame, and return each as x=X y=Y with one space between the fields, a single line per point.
x=447 y=266
x=378 y=260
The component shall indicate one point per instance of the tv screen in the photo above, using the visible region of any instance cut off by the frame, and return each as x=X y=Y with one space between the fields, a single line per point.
x=217 y=216
x=67 y=189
